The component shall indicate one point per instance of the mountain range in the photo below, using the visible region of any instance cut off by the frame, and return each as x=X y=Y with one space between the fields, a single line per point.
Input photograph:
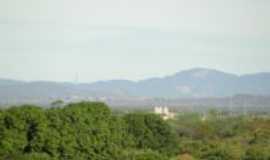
x=193 y=83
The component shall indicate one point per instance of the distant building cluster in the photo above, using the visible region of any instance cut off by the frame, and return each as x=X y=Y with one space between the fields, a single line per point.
x=164 y=112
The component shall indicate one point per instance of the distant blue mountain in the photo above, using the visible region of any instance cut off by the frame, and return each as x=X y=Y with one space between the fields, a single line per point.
x=198 y=82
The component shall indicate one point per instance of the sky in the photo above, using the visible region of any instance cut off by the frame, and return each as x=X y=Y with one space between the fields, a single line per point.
x=90 y=40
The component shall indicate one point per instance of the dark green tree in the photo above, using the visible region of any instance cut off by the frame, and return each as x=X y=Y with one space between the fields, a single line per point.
x=150 y=131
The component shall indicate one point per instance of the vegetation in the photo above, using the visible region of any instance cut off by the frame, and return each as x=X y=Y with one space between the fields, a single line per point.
x=224 y=137
x=82 y=131
x=91 y=131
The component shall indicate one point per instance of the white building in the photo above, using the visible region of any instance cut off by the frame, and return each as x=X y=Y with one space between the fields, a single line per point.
x=164 y=112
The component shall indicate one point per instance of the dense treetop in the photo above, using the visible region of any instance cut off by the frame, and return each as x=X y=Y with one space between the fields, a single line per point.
x=91 y=131
x=81 y=131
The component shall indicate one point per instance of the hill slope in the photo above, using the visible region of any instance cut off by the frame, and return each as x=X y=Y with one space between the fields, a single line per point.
x=198 y=82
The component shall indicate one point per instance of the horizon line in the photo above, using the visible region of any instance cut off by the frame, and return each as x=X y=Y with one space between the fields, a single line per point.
x=143 y=79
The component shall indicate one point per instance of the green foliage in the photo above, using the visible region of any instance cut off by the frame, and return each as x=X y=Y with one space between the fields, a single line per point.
x=136 y=154
x=257 y=153
x=223 y=137
x=149 y=131
x=90 y=131
x=32 y=156
x=216 y=152
x=86 y=130
x=149 y=155
x=22 y=129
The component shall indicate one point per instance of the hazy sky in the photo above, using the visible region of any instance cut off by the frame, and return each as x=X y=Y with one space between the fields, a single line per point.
x=131 y=39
